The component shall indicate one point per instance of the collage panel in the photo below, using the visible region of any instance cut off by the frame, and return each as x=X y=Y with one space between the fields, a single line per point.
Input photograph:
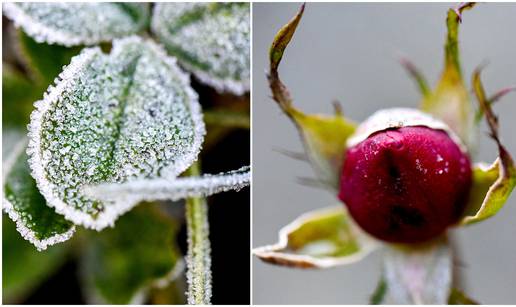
x=126 y=153
x=368 y=131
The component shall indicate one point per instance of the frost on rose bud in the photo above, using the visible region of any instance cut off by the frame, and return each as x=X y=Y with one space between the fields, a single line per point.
x=406 y=177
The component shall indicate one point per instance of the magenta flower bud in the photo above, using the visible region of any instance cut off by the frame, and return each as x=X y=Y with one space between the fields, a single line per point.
x=406 y=177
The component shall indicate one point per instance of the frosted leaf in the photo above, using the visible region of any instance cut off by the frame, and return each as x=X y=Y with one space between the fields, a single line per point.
x=212 y=40
x=172 y=188
x=71 y=24
x=35 y=221
x=127 y=115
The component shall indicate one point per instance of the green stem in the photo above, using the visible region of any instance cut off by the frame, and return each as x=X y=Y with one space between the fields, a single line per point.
x=225 y=118
x=198 y=257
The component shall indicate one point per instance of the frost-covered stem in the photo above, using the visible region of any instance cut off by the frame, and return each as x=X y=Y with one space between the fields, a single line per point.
x=198 y=257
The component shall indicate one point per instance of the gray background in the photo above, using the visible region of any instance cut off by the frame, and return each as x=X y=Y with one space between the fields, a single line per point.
x=348 y=52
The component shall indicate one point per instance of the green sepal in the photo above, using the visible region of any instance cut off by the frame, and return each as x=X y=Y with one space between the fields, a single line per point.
x=319 y=239
x=492 y=185
x=380 y=292
x=35 y=221
x=457 y=297
x=324 y=136
x=449 y=101
x=122 y=263
x=24 y=268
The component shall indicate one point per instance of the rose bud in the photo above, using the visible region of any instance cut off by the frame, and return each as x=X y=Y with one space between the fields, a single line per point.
x=406 y=177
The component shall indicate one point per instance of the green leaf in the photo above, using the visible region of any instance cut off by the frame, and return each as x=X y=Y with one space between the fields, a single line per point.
x=44 y=61
x=324 y=137
x=450 y=101
x=322 y=238
x=121 y=264
x=457 y=297
x=72 y=24
x=24 y=268
x=127 y=115
x=18 y=94
x=35 y=221
x=212 y=40
x=492 y=185
x=419 y=274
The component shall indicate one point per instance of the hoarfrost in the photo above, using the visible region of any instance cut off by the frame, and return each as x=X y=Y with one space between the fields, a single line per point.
x=127 y=115
x=171 y=188
x=71 y=24
x=198 y=258
x=210 y=39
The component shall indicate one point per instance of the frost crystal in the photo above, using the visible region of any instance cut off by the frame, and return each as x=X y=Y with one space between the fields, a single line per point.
x=127 y=115
x=210 y=39
x=172 y=189
x=71 y=24
x=35 y=221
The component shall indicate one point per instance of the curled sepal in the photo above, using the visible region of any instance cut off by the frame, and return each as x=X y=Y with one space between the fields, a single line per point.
x=212 y=40
x=419 y=274
x=35 y=221
x=324 y=136
x=450 y=100
x=318 y=239
x=126 y=115
x=173 y=188
x=71 y=24
x=492 y=185
x=122 y=263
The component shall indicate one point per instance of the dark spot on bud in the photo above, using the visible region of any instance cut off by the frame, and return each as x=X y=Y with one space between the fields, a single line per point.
x=406 y=216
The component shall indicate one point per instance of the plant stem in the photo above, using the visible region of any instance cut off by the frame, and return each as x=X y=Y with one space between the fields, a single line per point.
x=198 y=258
x=227 y=118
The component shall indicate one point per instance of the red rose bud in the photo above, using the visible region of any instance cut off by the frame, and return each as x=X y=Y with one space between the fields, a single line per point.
x=406 y=177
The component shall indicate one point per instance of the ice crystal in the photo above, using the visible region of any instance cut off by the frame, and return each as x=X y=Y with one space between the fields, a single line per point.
x=127 y=115
x=73 y=24
x=170 y=188
x=210 y=39
x=35 y=221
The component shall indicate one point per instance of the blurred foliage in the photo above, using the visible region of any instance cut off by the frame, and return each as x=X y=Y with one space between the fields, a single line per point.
x=123 y=261
x=23 y=267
